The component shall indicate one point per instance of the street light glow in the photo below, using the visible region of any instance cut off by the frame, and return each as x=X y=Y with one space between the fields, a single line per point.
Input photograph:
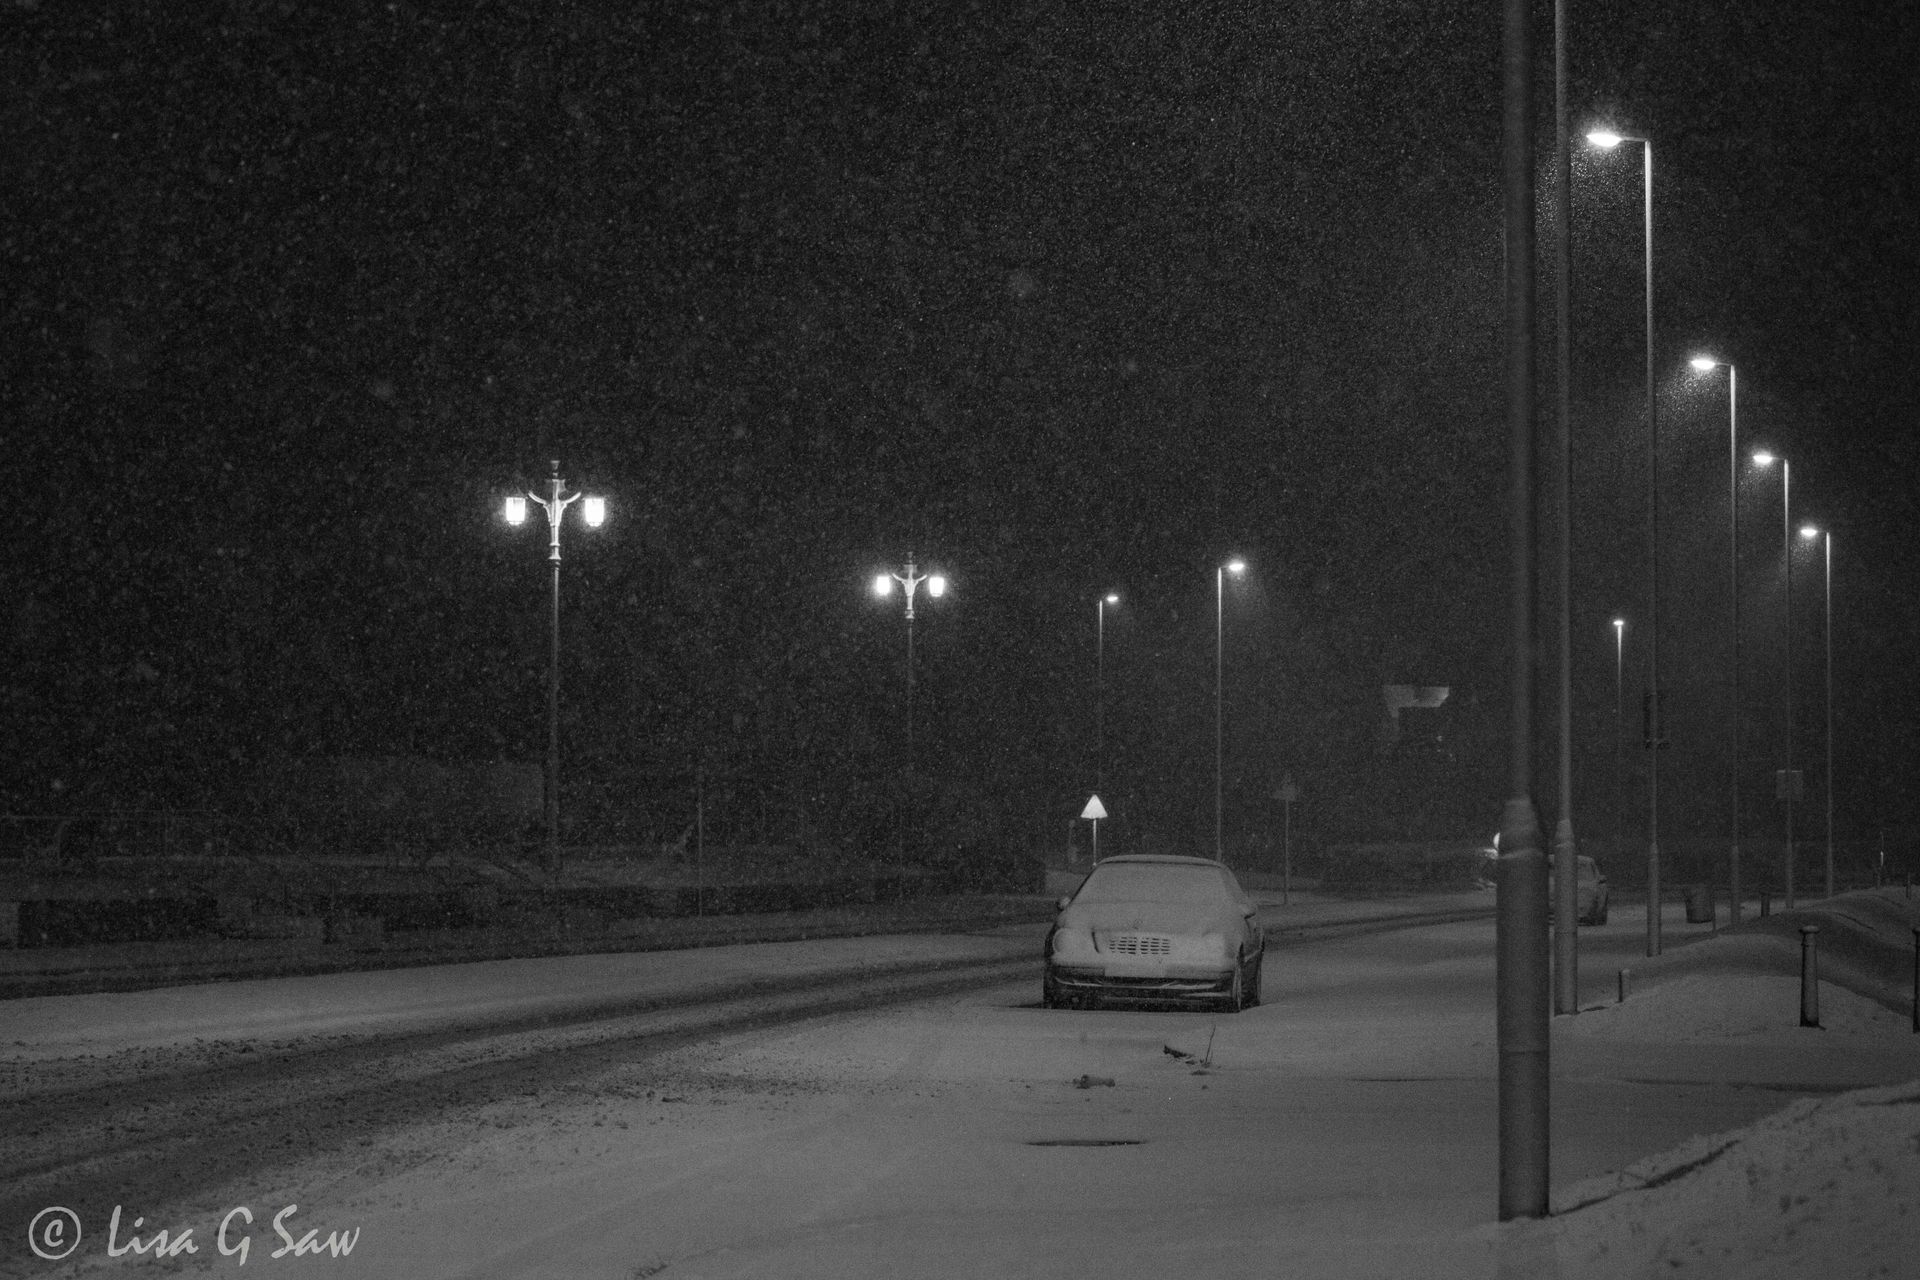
x=595 y=511
x=1236 y=565
x=1705 y=364
x=1605 y=138
x=1113 y=597
x=516 y=509
x=883 y=584
x=1763 y=459
x=936 y=586
x=1809 y=531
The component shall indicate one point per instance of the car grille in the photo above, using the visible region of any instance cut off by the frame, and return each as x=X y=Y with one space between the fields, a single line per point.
x=1139 y=944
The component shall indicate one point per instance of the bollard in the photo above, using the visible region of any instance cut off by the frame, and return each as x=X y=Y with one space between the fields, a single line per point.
x=1626 y=979
x=1809 y=977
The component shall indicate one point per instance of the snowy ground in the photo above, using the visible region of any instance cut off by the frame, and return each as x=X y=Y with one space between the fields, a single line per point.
x=1341 y=1130
x=1830 y=1185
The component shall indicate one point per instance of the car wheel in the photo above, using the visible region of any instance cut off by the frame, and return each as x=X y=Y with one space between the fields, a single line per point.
x=1236 y=993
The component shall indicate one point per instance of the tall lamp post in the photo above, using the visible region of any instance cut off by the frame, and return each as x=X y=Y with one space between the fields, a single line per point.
x=1235 y=566
x=594 y=511
x=909 y=581
x=1706 y=364
x=1765 y=459
x=1655 y=738
x=1825 y=537
x=1619 y=732
x=1099 y=688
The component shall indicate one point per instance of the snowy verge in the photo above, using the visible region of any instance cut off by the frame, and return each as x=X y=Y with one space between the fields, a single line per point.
x=1828 y=1186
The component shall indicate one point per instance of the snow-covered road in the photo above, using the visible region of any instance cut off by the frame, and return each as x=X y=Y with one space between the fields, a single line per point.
x=1346 y=1128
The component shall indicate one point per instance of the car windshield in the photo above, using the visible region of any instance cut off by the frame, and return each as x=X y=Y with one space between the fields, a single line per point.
x=1155 y=882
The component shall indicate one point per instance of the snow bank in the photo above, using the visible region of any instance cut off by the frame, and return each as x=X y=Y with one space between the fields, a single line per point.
x=1828 y=1187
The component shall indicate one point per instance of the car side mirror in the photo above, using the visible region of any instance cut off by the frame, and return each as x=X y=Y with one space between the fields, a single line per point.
x=1250 y=910
x=1061 y=905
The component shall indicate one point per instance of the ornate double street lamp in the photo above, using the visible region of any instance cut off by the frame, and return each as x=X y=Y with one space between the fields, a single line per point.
x=1235 y=566
x=1655 y=730
x=909 y=582
x=594 y=511
x=1707 y=364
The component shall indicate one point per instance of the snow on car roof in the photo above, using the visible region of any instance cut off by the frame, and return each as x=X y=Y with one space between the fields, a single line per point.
x=1174 y=858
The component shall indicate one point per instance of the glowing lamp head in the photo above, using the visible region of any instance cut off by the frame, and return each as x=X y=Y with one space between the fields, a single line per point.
x=516 y=509
x=1705 y=364
x=936 y=586
x=883 y=584
x=1236 y=565
x=1605 y=138
x=1763 y=459
x=1619 y=624
x=1113 y=597
x=1809 y=531
x=594 y=510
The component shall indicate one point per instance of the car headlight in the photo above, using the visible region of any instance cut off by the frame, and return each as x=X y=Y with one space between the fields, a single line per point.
x=1075 y=943
x=1218 y=944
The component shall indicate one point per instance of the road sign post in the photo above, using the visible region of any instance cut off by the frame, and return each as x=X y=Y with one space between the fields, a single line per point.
x=1093 y=813
x=1286 y=793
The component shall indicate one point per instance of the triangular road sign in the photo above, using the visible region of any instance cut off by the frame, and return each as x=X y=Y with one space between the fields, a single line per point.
x=1094 y=809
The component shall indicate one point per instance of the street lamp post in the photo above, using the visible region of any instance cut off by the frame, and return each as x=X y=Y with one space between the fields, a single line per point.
x=1619 y=732
x=1706 y=364
x=594 y=512
x=909 y=588
x=1559 y=487
x=1099 y=689
x=1655 y=740
x=909 y=582
x=1826 y=549
x=1235 y=566
x=1765 y=459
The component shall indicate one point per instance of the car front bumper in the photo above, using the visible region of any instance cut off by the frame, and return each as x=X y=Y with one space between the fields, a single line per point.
x=1148 y=984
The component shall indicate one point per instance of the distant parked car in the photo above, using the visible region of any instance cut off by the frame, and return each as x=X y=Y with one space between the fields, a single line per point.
x=1590 y=890
x=1155 y=929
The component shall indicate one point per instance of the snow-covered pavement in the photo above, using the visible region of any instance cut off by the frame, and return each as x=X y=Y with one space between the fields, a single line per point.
x=1343 y=1129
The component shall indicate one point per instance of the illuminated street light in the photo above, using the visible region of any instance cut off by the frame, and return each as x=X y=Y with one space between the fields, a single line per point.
x=1619 y=732
x=594 y=512
x=1099 y=688
x=1765 y=459
x=1825 y=537
x=1235 y=566
x=1707 y=364
x=1655 y=729
x=909 y=583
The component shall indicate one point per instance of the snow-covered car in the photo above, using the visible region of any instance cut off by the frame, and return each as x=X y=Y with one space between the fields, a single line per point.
x=1589 y=888
x=1155 y=929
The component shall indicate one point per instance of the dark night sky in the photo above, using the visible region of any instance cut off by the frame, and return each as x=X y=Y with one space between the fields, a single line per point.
x=1062 y=298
